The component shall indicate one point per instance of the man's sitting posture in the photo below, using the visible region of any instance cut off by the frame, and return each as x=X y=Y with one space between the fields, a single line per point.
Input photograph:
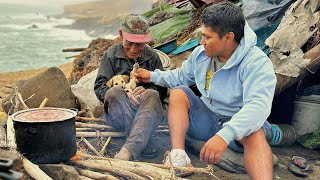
x=236 y=81
x=139 y=111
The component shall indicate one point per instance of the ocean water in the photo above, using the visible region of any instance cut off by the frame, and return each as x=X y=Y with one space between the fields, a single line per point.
x=23 y=47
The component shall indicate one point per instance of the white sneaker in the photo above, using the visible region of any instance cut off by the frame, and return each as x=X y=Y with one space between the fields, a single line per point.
x=180 y=158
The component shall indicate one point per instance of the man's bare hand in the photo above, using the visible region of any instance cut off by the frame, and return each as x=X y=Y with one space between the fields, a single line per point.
x=142 y=75
x=138 y=90
x=213 y=150
x=132 y=99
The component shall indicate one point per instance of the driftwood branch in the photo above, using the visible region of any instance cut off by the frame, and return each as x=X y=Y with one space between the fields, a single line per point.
x=95 y=175
x=113 y=170
x=11 y=137
x=77 y=118
x=73 y=49
x=103 y=149
x=102 y=134
x=84 y=129
x=34 y=171
x=43 y=103
x=206 y=171
x=91 y=147
x=24 y=106
x=95 y=126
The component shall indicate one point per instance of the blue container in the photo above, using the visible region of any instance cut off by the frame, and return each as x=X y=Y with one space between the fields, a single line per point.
x=168 y=46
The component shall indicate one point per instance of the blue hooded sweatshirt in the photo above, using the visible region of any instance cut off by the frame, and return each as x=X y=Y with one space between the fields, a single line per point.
x=242 y=89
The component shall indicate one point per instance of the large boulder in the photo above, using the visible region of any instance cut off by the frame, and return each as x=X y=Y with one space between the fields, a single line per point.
x=84 y=92
x=51 y=84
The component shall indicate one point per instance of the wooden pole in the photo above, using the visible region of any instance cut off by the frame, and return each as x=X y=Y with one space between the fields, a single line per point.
x=102 y=134
x=103 y=149
x=94 y=175
x=73 y=49
x=94 y=126
x=34 y=171
x=91 y=147
x=113 y=170
x=77 y=118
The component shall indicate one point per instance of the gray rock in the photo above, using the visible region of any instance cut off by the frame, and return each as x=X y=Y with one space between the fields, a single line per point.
x=84 y=92
x=60 y=171
x=51 y=84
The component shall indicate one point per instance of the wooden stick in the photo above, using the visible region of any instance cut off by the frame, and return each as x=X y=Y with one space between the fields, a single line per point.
x=77 y=118
x=24 y=106
x=34 y=171
x=207 y=171
x=73 y=49
x=84 y=129
x=11 y=137
x=103 y=149
x=95 y=126
x=71 y=57
x=43 y=103
x=102 y=134
x=113 y=170
x=91 y=147
x=84 y=178
x=95 y=175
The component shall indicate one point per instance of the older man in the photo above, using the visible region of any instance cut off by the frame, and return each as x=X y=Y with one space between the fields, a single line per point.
x=139 y=112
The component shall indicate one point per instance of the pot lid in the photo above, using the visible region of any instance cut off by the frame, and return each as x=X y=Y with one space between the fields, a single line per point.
x=47 y=114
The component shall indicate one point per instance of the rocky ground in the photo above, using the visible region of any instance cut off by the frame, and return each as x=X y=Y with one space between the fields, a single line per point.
x=284 y=153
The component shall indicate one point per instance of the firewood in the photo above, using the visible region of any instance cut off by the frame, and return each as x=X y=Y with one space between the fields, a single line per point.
x=84 y=178
x=103 y=149
x=84 y=129
x=24 y=106
x=77 y=118
x=102 y=134
x=96 y=126
x=206 y=171
x=110 y=169
x=11 y=137
x=95 y=175
x=34 y=171
x=91 y=147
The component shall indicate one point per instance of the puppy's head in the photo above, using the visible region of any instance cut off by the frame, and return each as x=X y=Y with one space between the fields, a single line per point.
x=117 y=80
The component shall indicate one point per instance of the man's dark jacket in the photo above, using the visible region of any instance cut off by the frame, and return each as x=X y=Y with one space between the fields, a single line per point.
x=115 y=62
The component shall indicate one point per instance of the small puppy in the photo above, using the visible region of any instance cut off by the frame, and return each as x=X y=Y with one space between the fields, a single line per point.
x=118 y=80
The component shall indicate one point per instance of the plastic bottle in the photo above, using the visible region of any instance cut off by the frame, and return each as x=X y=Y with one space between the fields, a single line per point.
x=281 y=135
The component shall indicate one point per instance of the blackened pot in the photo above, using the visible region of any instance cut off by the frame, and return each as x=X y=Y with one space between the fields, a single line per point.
x=45 y=135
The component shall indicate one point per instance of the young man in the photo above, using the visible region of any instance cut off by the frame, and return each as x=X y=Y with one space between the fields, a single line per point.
x=137 y=113
x=236 y=81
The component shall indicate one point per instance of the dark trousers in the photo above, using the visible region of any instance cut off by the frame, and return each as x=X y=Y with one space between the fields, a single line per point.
x=137 y=122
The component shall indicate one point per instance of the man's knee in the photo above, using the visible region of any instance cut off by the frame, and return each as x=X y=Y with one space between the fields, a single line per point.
x=253 y=139
x=150 y=93
x=114 y=93
x=178 y=96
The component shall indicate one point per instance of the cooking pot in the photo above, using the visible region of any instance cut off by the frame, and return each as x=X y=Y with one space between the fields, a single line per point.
x=45 y=135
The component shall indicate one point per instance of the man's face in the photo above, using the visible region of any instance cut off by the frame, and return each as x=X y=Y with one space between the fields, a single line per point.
x=133 y=50
x=213 y=44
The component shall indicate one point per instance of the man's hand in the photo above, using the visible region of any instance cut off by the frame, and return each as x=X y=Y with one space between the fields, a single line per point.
x=213 y=150
x=132 y=99
x=142 y=75
x=138 y=90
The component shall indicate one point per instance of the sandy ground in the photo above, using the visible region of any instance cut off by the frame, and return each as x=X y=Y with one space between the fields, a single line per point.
x=11 y=78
